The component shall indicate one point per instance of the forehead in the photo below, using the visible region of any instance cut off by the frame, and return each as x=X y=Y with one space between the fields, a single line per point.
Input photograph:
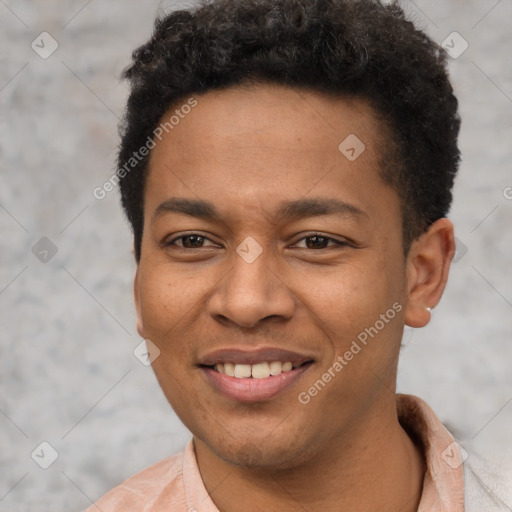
x=265 y=143
x=314 y=119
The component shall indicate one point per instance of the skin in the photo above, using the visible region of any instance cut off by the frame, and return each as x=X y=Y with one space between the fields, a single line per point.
x=246 y=150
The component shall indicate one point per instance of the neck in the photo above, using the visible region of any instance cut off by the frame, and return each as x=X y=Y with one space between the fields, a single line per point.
x=371 y=465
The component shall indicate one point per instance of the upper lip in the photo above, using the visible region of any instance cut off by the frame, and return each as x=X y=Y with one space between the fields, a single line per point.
x=255 y=356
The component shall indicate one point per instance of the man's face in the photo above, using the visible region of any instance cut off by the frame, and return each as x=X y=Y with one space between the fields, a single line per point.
x=256 y=280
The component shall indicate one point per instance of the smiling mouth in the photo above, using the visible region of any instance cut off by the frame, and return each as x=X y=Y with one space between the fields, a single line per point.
x=262 y=370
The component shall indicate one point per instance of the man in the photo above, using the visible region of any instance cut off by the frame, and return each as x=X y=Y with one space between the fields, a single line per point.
x=287 y=169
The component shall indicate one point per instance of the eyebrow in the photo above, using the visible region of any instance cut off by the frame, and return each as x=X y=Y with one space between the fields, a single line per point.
x=287 y=210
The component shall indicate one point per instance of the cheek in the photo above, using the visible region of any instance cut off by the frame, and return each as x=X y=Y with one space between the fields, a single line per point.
x=353 y=294
x=363 y=303
x=157 y=305
x=164 y=305
x=164 y=297
x=361 y=312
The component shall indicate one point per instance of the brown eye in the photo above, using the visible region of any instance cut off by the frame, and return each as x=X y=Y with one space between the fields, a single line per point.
x=192 y=241
x=320 y=242
x=317 y=242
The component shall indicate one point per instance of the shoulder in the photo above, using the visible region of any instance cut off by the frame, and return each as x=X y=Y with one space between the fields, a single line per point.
x=155 y=488
x=487 y=486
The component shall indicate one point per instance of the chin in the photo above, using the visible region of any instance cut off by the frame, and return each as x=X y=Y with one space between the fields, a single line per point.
x=252 y=456
x=264 y=451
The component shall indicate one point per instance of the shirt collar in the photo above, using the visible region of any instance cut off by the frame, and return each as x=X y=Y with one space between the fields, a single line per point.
x=443 y=485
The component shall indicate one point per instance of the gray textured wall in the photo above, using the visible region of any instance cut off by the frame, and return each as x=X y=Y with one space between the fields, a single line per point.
x=67 y=325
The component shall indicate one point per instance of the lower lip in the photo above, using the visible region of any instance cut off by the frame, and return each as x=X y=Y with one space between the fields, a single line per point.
x=254 y=390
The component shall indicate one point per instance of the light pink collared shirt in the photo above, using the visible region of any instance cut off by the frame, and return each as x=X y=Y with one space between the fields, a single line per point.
x=175 y=484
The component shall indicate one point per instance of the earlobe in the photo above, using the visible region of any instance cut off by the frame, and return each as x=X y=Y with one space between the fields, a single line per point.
x=428 y=265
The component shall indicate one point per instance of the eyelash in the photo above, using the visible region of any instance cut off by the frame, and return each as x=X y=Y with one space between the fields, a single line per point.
x=338 y=243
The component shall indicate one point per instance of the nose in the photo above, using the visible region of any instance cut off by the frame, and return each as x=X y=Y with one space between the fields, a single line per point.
x=251 y=292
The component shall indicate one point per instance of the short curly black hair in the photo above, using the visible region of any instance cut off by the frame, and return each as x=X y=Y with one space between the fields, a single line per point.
x=359 y=48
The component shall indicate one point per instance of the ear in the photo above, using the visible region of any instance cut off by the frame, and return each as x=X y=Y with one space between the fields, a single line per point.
x=428 y=264
x=136 y=296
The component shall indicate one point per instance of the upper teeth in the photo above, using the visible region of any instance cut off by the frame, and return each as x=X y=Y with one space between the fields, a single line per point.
x=257 y=371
